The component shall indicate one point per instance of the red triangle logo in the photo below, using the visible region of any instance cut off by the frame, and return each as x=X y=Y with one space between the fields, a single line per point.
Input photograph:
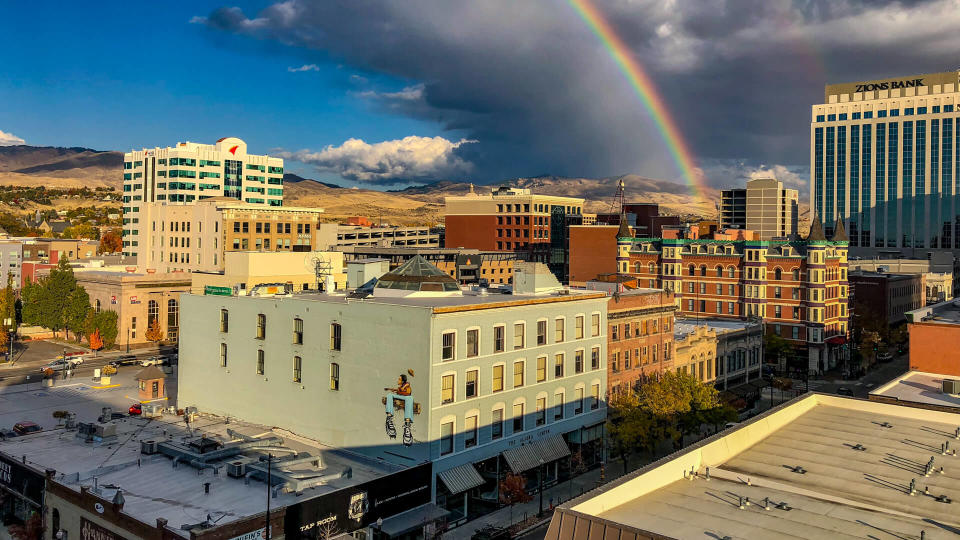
x=233 y=149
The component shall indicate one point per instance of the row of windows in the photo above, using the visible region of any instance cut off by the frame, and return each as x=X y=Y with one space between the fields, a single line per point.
x=866 y=115
x=641 y=356
x=518 y=422
x=261 y=332
x=638 y=329
x=297 y=371
x=471 y=387
x=265 y=227
x=448 y=345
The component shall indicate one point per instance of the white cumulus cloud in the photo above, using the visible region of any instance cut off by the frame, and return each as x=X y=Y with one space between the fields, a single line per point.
x=305 y=67
x=9 y=139
x=409 y=158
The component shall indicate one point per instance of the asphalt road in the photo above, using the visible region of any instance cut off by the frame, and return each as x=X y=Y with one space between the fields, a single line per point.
x=27 y=371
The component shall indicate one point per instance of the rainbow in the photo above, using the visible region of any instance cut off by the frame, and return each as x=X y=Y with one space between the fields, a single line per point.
x=649 y=95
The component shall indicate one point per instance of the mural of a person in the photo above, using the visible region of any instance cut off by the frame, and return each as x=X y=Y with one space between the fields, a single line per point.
x=402 y=393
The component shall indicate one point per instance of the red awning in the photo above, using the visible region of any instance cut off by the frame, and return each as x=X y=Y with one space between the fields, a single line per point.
x=837 y=340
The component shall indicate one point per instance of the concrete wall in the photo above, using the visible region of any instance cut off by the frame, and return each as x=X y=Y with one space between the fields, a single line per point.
x=593 y=251
x=933 y=348
x=130 y=297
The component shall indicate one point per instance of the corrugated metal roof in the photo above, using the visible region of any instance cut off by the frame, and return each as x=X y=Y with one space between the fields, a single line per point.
x=462 y=478
x=528 y=456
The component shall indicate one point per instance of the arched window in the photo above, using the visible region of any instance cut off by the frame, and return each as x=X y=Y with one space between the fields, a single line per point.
x=719 y=271
x=777 y=274
x=652 y=268
x=173 y=319
x=96 y=307
x=796 y=274
x=638 y=268
x=693 y=269
x=731 y=272
x=153 y=312
x=703 y=269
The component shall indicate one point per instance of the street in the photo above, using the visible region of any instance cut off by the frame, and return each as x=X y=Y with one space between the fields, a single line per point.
x=35 y=354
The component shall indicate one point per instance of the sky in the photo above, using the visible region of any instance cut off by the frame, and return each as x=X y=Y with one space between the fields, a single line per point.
x=386 y=93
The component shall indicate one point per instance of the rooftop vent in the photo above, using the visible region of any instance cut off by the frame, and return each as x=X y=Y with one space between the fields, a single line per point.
x=951 y=386
x=205 y=444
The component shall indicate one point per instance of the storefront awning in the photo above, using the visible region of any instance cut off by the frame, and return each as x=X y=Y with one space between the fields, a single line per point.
x=837 y=340
x=528 y=456
x=462 y=478
x=412 y=520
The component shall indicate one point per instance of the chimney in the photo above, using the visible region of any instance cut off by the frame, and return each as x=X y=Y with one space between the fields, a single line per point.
x=118 y=501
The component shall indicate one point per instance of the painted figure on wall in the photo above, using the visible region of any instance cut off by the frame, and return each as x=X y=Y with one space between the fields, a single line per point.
x=402 y=393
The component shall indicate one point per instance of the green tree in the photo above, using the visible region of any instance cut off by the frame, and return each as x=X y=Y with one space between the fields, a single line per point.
x=106 y=323
x=55 y=297
x=775 y=348
x=30 y=303
x=631 y=429
x=77 y=310
x=81 y=230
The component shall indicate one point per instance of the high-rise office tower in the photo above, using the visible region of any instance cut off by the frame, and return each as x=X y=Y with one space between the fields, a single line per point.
x=190 y=172
x=884 y=156
x=764 y=207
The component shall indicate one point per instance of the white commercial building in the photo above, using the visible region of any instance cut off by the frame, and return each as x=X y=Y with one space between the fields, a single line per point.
x=415 y=369
x=192 y=172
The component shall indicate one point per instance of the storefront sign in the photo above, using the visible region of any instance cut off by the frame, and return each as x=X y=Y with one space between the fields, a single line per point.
x=134 y=300
x=19 y=479
x=217 y=291
x=889 y=85
x=259 y=534
x=358 y=506
x=91 y=531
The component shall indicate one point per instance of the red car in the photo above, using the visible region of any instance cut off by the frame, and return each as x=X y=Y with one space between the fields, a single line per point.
x=25 y=428
x=136 y=409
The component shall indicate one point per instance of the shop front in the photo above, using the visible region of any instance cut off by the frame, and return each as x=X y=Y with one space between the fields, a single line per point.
x=23 y=490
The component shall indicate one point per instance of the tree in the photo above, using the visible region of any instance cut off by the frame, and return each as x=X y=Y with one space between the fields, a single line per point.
x=77 y=311
x=30 y=299
x=32 y=528
x=81 y=230
x=630 y=427
x=111 y=242
x=56 y=295
x=513 y=489
x=96 y=342
x=775 y=348
x=104 y=324
x=154 y=333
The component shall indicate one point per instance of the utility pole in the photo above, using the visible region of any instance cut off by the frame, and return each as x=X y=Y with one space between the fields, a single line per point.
x=267 y=528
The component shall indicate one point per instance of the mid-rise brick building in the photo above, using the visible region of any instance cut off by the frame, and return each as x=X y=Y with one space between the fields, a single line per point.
x=640 y=340
x=797 y=287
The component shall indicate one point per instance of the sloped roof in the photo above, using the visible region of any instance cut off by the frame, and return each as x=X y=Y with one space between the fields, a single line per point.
x=839 y=233
x=816 y=231
x=151 y=372
x=624 y=231
x=418 y=274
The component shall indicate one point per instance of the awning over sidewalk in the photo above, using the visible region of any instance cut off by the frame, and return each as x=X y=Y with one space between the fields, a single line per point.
x=837 y=340
x=462 y=478
x=412 y=520
x=528 y=456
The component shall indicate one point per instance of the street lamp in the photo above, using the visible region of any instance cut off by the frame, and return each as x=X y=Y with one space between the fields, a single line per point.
x=128 y=339
x=540 y=470
x=379 y=528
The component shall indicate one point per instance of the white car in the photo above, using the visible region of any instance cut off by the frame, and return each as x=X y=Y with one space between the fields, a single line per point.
x=152 y=361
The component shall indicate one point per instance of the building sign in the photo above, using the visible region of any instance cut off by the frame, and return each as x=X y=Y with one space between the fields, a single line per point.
x=259 y=534
x=18 y=478
x=355 y=507
x=113 y=299
x=217 y=291
x=134 y=300
x=889 y=85
x=91 y=531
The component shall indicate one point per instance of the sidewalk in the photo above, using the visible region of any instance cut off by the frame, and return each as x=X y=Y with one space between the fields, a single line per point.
x=560 y=493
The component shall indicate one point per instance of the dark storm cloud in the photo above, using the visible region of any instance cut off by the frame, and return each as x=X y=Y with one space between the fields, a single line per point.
x=539 y=93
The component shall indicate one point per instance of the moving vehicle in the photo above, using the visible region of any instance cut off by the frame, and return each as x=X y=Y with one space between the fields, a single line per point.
x=845 y=391
x=126 y=360
x=136 y=409
x=60 y=365
x=25 y=428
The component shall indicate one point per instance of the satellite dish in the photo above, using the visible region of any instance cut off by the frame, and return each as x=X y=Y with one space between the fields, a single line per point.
x=320 y=266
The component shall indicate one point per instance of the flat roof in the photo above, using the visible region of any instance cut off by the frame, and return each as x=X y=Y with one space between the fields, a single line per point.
x=467 y=300
x=153 y=488
x=947 y=312
x=684 y=327
x=829 y=467
x=919 y=387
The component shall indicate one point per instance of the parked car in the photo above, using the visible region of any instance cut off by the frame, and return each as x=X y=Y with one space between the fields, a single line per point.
x=884 y=357
x=7 y=434
x=136 y=409
x=845 y=391
x=25 y=428
x=59 y=365
x=126 y=360
x=152 y=361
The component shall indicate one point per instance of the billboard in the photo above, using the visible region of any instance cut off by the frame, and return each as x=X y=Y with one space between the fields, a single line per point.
x=18 y=478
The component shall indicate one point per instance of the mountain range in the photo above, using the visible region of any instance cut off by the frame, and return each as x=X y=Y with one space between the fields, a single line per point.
x=76 y=167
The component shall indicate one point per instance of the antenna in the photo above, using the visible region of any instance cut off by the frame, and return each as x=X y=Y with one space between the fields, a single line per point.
x=320 y=266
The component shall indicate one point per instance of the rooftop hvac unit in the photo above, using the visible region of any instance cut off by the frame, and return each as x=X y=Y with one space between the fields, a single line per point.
x=148 y=447
x=237 y=469
x=151 y=410
x=105 y=430
x=951 y=386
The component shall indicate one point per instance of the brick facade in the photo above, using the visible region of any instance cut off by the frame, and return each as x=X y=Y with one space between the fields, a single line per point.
x=640 y=336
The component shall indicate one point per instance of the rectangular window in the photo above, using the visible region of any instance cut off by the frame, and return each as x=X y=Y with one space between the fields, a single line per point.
x=334 y=336
x=615 y=332
x=470 y=432
x=578 y=401
x=578 y=362
x=297 y=369
x=260 y=361
x=473 y=342
x=518 y=331
x=517 y=417
x=558 y=366
x=446 y=438
x=261 y=326
x=595 y=403
x=334 y=376
x=224 y=321
x=558 y=331
x=223 y=355
x=558 y=405
x=446 y=392
x=496 y=424
x=541 y=368
x=541 y=415
x=579 y=327
x=298 y=331
x=595 y=358
x=499 y=339
x=595 y=325
x=541 y=332
x=448 y=347
x=473 y=382
x=518 y=374
x=497 y=385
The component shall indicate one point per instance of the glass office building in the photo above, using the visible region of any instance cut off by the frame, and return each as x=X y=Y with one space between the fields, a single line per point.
x=884 y=158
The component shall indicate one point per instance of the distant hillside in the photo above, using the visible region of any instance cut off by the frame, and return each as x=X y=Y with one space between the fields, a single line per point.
x=74 y=167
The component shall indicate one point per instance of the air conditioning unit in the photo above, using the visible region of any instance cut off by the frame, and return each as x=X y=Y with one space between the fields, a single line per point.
x=951 y=386
x=103 y=431
x=151 y=410
x=148 y=447
x=237 y=469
